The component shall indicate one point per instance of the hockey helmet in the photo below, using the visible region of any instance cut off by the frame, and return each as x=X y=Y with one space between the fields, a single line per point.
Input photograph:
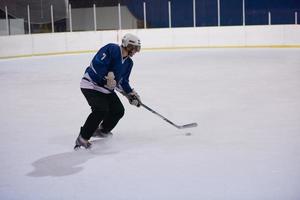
x=131 y=42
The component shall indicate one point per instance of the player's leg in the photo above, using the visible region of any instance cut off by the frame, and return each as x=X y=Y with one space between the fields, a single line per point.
x=116 y=112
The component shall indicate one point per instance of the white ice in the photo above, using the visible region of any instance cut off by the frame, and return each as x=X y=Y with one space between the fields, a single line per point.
x=246 y=147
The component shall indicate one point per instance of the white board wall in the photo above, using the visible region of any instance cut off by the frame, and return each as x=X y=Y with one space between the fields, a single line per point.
x=69 y=42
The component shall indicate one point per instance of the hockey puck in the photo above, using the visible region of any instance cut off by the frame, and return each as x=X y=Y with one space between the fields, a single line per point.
x=188 y=134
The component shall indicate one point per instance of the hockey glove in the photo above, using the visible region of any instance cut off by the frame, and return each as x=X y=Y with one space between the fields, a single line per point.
x=134 y=98
x=110 y=81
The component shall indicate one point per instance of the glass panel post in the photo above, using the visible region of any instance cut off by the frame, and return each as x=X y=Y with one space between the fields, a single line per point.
x=244 y=13
x=170 y=15
x=70 y=17
x=28 y=18
x=219 y=13
x=145 y=16
x=120 y=20
x=194 y=12
x=52 y=19
x=6 y=18
x=95 y=18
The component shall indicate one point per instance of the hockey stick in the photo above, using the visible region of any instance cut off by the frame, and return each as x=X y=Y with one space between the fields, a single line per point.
x=191 y=125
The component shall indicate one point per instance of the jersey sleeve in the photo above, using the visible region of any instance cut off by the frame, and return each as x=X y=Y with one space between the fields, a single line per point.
x=103 y=62
x=116 y=62
x=124 y=83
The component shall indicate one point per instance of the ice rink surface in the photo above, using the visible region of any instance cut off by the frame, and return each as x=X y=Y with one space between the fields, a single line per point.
x=247 y=145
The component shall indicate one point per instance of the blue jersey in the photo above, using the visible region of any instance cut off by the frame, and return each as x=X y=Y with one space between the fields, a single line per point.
x=109 y=59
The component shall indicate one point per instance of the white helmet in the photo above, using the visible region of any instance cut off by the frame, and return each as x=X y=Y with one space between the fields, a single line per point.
x=130 y=40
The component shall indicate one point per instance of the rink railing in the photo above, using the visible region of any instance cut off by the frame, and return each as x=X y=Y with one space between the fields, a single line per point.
x=152 y=39
x=69 y=19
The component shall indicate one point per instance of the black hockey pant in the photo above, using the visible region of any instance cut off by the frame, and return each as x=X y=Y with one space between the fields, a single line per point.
x=107 y=109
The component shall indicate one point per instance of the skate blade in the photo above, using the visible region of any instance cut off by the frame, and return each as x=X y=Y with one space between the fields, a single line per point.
x=77 y=147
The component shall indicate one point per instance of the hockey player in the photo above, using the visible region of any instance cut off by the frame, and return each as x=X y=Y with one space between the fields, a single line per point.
x=109 y=70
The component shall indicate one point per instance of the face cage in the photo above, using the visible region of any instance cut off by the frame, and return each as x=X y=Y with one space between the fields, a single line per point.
x=131 y=47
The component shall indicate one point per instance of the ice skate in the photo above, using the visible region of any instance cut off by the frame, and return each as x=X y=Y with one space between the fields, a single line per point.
x=100 y=134
x=81 y=142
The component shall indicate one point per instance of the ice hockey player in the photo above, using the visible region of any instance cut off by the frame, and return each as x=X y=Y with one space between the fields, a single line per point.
x=109 y=70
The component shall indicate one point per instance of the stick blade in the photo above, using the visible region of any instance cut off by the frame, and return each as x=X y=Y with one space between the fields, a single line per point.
x=191 y=125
